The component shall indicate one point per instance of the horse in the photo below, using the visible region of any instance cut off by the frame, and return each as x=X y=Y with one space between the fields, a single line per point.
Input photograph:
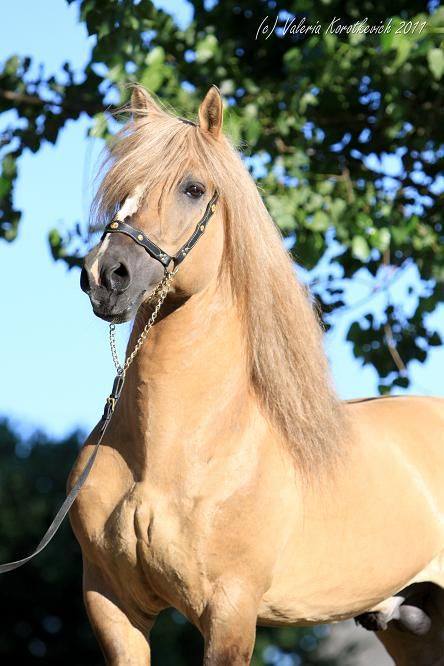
x=232 y=483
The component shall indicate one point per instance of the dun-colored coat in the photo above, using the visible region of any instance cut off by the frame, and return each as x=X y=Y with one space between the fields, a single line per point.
x=232 y=484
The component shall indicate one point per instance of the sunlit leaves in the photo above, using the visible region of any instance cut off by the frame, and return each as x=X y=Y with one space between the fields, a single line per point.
x=316 y=113
x=360 y=248
x=206 y=48
x=435 y=58
x=9 y=217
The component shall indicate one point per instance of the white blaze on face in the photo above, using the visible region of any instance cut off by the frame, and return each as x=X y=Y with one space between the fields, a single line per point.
x=129 y=208
x=130 y=205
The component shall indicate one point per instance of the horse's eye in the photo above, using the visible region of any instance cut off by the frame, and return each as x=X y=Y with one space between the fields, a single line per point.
x=195 y=190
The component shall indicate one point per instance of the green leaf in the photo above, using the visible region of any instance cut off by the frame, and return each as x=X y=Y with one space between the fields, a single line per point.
x=403 y=47
x=9 y=166
x=5 y=186
x=435 y=339
x=153 y=77
x=360 y=248
x=12 y=64
x=253 y=131
x=293 y=58
x=307 y=99
x=320 y=221
x=206 y=49
x=155 y=56
x=232 y=124
x=380 y=239
x=435 y=58
x=389 y=40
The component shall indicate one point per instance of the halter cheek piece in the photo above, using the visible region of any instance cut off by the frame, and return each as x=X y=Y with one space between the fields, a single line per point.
x=115 y=226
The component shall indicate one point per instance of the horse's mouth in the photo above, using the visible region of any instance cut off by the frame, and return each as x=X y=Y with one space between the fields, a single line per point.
x=114 y=317
x=114 y=313
x=116 y=310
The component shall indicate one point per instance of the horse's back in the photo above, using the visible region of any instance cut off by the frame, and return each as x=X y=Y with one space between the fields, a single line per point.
x=413 y=427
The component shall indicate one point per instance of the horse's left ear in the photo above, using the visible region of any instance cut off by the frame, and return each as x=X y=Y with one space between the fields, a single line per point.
x=211 y=112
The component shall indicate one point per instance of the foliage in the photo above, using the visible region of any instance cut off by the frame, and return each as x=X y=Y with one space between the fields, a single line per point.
x=320 y=113
x=43 y=619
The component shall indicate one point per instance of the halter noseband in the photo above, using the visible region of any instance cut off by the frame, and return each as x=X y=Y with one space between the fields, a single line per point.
x=115 y=226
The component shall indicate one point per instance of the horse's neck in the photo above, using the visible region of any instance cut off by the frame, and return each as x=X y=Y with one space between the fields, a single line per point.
x=189 y=370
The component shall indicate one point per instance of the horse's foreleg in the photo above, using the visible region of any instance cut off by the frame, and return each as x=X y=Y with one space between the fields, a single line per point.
x=120 y=641
x=229 y=626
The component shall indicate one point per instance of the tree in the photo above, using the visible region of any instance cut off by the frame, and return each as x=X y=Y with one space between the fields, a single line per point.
x=43 y=619
x=319 y=111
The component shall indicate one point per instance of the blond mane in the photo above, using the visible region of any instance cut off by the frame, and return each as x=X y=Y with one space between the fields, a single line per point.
x=287 y=364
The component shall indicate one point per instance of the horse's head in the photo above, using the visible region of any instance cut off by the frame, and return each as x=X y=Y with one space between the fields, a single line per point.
x=157 y=192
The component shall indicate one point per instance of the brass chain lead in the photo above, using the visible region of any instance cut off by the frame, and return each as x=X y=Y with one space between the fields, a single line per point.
x=112 y=344
x=161 y=290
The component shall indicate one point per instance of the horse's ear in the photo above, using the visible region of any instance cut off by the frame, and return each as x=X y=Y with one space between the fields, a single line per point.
x=142 y=104
x=211 y=112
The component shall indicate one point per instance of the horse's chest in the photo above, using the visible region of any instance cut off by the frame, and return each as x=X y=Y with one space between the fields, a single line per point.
x=152 y=541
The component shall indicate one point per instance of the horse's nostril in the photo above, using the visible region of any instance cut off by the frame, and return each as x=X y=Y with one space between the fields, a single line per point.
x=121 y=271
x=118 y=277
x=84 y=281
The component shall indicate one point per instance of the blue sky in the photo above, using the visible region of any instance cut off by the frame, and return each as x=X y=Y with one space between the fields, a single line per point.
x=56 y=368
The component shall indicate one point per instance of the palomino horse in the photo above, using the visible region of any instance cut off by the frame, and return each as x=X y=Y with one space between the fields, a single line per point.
x=233 y=485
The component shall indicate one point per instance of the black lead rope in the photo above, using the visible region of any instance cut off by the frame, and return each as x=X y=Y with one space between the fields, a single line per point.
x=110 y=405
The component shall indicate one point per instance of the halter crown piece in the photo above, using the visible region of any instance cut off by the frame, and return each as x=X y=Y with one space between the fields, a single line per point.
x=159 y=292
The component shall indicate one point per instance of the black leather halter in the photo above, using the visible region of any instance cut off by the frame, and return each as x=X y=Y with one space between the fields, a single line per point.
x=115 y=226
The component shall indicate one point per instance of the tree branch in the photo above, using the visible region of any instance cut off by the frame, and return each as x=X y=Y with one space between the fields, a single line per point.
x=23 y=98
x=35 y=100
x=390 y=340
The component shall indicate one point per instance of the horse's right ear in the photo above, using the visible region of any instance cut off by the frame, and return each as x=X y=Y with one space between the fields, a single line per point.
x=142 y=104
